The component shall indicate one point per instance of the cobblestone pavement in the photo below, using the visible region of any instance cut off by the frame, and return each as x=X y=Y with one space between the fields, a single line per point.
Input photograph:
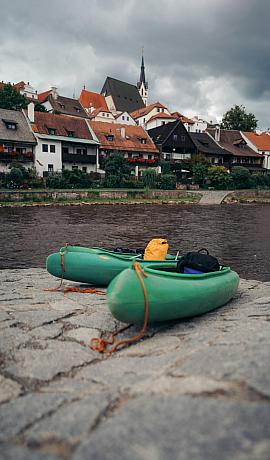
x=192 y=390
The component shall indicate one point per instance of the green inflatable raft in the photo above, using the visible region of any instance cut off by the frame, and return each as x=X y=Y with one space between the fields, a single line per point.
x=170 y=295
x=95 y=266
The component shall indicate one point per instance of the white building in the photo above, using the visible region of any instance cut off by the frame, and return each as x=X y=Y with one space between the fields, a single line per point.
x=63 y=142
x=152 y=115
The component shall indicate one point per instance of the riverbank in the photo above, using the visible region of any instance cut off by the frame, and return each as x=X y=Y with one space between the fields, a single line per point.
x=94 y=197
x=121 y=196
x=195 y=389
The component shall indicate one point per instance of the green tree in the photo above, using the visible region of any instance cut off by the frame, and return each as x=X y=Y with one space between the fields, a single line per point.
x=40 y=108
x=219 y=177
x=167 y=181
x=11 y=99
x=241 y=177
x=238 y=118
x=200 y=171
x=115 y=165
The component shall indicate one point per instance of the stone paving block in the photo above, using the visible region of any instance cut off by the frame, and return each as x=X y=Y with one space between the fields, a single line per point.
x=18 y=452
x=242 y=362
x=38 y=317
x=8 y=389
x=49 y=331
x=79 y=416
x=98 y=320
x=56 y=358
x=16 y=415
x=11 y=338
x=180 y=428
x=82 y=334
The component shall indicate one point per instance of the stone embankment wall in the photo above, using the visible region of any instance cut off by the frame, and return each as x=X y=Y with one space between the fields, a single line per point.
x=77 y=195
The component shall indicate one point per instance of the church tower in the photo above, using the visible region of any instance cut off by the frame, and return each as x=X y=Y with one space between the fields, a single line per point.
x=142 y=85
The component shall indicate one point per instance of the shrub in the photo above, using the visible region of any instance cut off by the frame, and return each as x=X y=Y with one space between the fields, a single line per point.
x=219 y=177
x=55 y=181
x=241 y=177
x=200 y=171
x=149 y=178
x=165 y=167
x=112 y=181
x=167 y=182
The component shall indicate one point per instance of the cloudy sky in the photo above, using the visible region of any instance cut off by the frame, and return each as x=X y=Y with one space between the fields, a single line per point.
x=201 y=56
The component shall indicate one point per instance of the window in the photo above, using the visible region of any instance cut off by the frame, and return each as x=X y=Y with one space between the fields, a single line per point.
x=109 y=137
x=84 y=169
x=74 y=168
x=10 y=124
x=52 y=131
x=103 y=114
x=45 y=148
x=65 y=150
x=70 y=133
x=52 y=148
x=158 y=109
x=127 y=118
x=108 y=114
x=50 y=168
x=175 y=137
x=84 y=151
x=77 y=109
x=79 y=151
x=143 y=141
x=183 y=138
x=123 y=117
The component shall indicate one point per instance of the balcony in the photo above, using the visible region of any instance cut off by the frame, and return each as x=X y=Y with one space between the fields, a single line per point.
x=16 y=156
x=144 y=161
x=78 y=158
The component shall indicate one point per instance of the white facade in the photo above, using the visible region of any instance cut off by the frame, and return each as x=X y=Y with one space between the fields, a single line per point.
x=143 y=120
x=125 y=119
x=103 y=115
x=48 y=154
x=265 y=153
x=29 y=91
x=199 y=125
x=110 y=104
x=159 y=122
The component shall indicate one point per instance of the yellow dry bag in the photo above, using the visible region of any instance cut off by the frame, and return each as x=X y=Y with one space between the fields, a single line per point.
x=156 y=249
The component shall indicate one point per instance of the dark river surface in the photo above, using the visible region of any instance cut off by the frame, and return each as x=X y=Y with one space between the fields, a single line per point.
x=239 y=235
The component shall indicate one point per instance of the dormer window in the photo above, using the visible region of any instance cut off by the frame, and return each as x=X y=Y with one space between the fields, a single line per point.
x=110 y=137
x=70 y=133
x=52 y=131
x=158 y=109
x=61 y=105
x=77 y=109
x=10 y=124
x=143 y=140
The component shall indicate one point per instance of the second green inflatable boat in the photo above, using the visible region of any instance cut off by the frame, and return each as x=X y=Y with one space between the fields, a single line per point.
x=95 y=266
x=171 y=295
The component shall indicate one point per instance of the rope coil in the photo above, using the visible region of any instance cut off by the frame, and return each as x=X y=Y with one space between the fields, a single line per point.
x=101 y=344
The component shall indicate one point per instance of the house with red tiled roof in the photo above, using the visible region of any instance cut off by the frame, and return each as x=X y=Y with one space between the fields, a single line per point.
x=152 y=116
x=242 y=155
x=54 y=103
x=62 y=142
x=132 y=141
x=92 y=101
x=260 y=143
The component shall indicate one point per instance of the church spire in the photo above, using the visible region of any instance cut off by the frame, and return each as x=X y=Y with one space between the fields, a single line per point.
x=142 y=85
x=142 y=75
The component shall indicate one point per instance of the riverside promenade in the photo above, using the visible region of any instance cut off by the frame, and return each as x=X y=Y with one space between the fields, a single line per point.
x=192 y=390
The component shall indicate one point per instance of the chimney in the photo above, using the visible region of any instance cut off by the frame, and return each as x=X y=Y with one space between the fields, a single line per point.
x=217 y=133
x=31 y=112
x=123 y=132
x=54 y=92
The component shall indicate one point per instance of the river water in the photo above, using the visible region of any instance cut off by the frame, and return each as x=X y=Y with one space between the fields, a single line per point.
x=239 y=235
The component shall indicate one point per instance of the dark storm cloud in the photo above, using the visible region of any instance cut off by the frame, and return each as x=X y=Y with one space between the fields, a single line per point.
x=202 y=56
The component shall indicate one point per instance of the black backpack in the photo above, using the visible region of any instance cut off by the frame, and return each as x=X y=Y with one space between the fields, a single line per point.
x=198 y=261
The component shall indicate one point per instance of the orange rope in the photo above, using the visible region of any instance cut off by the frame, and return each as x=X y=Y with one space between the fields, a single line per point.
x=71 y=289
x=101 y=345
